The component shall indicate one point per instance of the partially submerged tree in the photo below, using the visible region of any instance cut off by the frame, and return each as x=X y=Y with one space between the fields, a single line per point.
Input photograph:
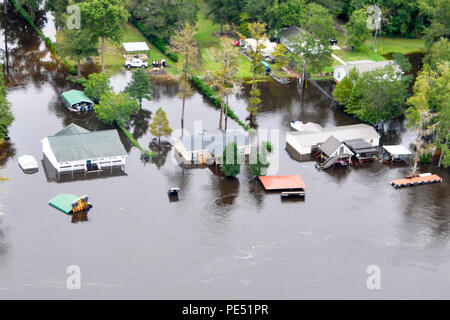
x=230 y=160
x=105 y=19
x=357 y=30
x=281 y=56
x=258 y=32
x=184 y=44
x=6 y=116
x=139 y=86
x=77 y=45
x=160 y=125
x=225 y=77
x=344 y=87
x=116 y=108
x=258 y=161
x=97 y=85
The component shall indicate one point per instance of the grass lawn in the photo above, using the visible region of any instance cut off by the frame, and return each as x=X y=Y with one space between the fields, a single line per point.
x=206 y=40
x=384 y=46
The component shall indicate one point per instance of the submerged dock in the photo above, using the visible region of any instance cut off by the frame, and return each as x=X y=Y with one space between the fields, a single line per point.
x=416 y=181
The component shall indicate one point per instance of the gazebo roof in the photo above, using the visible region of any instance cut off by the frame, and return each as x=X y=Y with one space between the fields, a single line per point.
x=135 y=46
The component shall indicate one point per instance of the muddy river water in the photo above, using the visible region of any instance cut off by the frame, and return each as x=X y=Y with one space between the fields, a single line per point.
x=224 y=238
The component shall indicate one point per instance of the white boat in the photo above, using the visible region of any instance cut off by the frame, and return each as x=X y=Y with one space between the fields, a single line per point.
x=28 y=163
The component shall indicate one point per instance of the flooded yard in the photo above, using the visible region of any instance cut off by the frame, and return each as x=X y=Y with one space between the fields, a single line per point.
x=225 y=238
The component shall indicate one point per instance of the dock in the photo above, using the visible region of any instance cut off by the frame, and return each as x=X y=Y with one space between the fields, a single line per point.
x=416 y=181
x=289 y=186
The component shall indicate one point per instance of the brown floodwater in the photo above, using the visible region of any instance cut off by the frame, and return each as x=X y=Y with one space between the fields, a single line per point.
x=224 y=238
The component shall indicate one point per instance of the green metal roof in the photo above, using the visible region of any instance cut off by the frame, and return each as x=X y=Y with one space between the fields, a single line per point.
x=71 y=129
x=86 y=146
x=75 y=96
x=63 y=202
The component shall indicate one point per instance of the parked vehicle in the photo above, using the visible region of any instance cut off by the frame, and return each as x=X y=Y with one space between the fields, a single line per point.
x=28 y=164
x=136 y=63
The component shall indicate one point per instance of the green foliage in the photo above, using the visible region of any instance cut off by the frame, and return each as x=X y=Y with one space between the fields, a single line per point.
x=159 y=19
x=425 y=158
x=259 y=163
x=377 y=96
x=357 y=31
x=97 y=85
x=6 y=116
x=160 y=125
x=446 y=158
x=230 y=160
x=211 y=95
x=139 y=86
x=224 y=11
x=266 y=145
x=281 y=56
x=343 y=90
x=285 y=14
x=162 y=45
x=439 y=52
x=131 y=138
x=405 y=67
x=439 y=12
x=77 y=45
x=116 y=108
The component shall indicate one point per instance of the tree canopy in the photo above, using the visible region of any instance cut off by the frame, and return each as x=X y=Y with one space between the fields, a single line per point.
x=357 y=30
x=116 y=108
x=230 y=160
x=97 y=85
x=160 y=125
x=139 y=86
x=6 y=116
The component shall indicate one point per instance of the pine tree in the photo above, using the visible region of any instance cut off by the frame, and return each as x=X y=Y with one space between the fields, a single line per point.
x=139 y=87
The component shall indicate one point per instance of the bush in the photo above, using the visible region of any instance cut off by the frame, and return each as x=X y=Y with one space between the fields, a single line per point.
x=267 y=145
x=210 y=94
x=158 y=43
x=425 y=158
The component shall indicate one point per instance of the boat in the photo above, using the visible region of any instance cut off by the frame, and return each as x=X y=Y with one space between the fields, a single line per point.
x=28 y=164
x=173 y=191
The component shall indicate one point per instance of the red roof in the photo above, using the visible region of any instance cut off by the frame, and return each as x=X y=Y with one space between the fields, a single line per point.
x=282 y=182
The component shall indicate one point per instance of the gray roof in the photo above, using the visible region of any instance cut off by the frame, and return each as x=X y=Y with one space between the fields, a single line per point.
x=214 y=141
x=360 y=146
x=292 y=31
x=88 y=145
x=71 y=129
x=330 y=146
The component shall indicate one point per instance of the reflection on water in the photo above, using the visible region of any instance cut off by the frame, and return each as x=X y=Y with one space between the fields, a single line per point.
x=224 y=237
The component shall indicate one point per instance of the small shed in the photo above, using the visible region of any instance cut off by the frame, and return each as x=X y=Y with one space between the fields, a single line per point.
x=77 y=101
x=136 y=49
x=395 y=153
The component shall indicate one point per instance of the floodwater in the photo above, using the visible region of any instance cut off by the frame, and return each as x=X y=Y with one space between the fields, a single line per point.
x=225 y=238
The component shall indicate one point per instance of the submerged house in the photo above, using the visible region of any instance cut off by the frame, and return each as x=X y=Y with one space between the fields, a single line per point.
x=77 y=101
x=313 y=135
x=362 y=66
x=77 y=149
x=334 y=149
x=208 y=146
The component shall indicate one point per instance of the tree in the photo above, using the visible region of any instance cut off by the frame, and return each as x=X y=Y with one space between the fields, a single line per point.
x=357 y=30
x=439 y=12
x=311 y=47
x=160 y=125
x=377 y=96
x=230 y=160
x=116 y=108
x=225 y=77
x=162 y=18
x=105 y=19
x=284 y=14
x=258 y=32
x=139 y=87
x=184 y=44
x=259 y=163
x=439 y=51
x=224 y=11
x=343 y=90
x=97 y=85
x=405 y=68
x=6 y=116
x=281 y=56
x=77 y=45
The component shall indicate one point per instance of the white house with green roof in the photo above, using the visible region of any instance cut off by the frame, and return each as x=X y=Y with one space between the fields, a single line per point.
x=77 y=149
x=77 y=101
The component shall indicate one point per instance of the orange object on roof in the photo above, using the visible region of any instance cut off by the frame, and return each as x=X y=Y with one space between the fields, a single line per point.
x=282 y=182
x=416 y=180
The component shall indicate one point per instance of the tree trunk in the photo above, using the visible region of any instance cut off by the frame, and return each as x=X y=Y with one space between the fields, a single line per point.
x=221 y=111
x=414 y=171
x=226 y=115
x=79 y=68
x=103 y=54
x=442 y=153
x=221 y=29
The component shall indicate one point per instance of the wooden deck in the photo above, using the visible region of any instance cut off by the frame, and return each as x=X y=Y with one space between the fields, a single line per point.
x=416 y=181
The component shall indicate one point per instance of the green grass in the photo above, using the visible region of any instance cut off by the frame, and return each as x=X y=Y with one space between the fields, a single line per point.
x=206 y=40
x=384 y=46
